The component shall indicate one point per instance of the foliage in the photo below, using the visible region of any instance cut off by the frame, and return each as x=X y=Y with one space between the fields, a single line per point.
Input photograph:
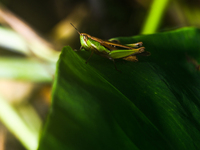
x=152 y=104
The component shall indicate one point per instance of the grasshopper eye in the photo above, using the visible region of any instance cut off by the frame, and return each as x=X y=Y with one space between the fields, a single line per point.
x=85 y=38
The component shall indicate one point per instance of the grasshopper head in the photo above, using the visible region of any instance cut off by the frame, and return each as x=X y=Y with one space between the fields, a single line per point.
x=84 y=36
x=83 y=39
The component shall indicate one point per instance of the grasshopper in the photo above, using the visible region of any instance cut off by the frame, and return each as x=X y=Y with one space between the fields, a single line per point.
x=109 y=49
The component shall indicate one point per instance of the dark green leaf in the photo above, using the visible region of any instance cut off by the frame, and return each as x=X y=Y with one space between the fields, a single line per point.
x=152 y=104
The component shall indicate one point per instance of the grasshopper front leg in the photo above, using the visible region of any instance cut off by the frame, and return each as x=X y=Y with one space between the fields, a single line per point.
x=92 y=51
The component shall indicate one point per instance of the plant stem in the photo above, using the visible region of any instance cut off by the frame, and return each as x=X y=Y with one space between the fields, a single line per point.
x=10 y=118
x=154 y=16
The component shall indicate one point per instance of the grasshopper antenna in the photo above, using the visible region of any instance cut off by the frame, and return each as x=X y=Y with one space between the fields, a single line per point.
x=75 y=28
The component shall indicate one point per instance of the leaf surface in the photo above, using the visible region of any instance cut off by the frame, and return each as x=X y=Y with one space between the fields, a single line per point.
x=152 y=104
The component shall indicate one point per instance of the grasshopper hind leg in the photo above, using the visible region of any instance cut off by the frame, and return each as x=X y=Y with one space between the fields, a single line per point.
x=89 y=57
x=115 y=65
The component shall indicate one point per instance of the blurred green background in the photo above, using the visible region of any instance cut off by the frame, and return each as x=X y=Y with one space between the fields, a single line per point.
x=32 y=34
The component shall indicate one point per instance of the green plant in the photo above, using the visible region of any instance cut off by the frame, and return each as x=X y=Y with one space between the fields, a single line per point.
x=152 y=104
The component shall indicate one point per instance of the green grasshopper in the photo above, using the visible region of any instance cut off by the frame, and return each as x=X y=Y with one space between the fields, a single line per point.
x=109 y=49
